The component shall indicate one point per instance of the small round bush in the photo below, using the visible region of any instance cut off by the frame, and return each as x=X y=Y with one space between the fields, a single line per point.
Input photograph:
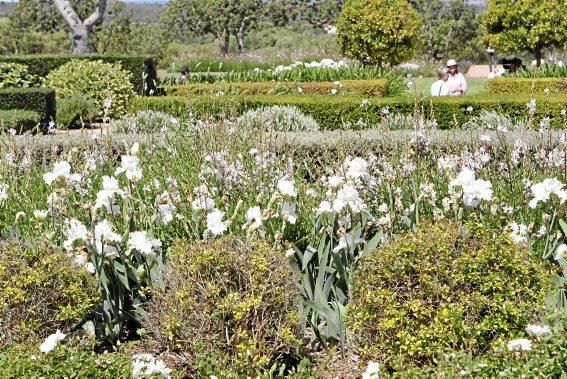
x=278 y=118
x=41 y=290
x=228 y=307
x=145 y=122
x=443 y=288
x=95 y=79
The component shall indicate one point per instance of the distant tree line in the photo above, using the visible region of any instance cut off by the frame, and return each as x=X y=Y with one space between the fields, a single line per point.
x=431 y=29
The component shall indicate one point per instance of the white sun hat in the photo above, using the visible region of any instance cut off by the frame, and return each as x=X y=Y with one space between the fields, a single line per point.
x=451 y=62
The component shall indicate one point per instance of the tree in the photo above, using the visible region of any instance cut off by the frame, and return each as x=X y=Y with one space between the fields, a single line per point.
x=222 y=18
x=450 y=29
x=44 y=16
x=379 y=31
x=80 y=31
x=525 y=25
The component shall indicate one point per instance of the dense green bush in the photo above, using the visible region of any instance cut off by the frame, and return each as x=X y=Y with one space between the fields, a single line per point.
x=18 y=119
x=332 y=112
x=442 y=288
x=526 y=85
x=143 y=69
x=228 y=306
x=71 y=359
x=144 y=122
x=97 y=80
x=40 y=100
x=546 y=359
x=41 y=290
x=76 y=110
x=370 y=88
x=15 y=75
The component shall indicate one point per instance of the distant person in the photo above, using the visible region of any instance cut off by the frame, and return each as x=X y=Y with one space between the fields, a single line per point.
x=185 y=72
x=441 y=87
x=457 y=82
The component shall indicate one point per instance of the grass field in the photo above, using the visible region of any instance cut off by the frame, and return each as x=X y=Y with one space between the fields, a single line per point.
x=475 y=85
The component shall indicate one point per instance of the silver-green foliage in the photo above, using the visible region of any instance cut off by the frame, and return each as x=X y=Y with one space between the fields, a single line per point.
x=145 y=122
x=278 y=118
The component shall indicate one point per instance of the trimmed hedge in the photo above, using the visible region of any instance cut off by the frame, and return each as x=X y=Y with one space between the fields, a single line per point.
x=40 y=100
x=331 y=112
x=526 y=85
x=19 y=119
x=370 y=88
x=143 y=68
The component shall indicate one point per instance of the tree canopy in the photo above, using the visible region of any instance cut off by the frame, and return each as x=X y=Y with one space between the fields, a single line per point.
x=525 y=25
x=379 y=31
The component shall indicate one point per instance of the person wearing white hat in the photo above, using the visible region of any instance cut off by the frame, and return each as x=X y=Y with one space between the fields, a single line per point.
x=457 y=83
x=440 y=87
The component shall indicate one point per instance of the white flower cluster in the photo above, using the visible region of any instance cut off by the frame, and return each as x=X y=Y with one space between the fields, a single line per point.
x=147 y=366
x=324 y=63
x=524 y=344
x=472 y=190
x=51 y=342
x=541 y=192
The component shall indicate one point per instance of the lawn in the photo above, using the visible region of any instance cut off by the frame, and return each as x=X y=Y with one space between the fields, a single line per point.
x=475 y=85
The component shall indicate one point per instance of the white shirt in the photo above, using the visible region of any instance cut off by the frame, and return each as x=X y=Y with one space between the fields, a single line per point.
x=440 y=88
x=456 y=84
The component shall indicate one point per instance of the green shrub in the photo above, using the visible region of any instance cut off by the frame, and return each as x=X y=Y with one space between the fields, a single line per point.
x=277 y=118
x=546 y=359
x=15 y=75
x=41 y=290
x=144 y=122
x=96 y=80
x=76 y=110
x=40 y=100
x=332 y=112
x=443 y=288
x=228 y=306
x=535 y=86
x=370 y=88
x=143 y=69
x=18 y=119
x=71 y=359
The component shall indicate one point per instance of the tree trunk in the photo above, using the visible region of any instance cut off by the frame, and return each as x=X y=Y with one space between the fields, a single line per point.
x=80 y=30
x=538 y=54
x=240 y=34
x=224 y=41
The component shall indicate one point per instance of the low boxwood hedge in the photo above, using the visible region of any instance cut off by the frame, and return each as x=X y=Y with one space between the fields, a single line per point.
x=331 y=112
x=370 y=88
x=535 y=86
x=40 y=100
x=143 y=69
x=19 y=119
